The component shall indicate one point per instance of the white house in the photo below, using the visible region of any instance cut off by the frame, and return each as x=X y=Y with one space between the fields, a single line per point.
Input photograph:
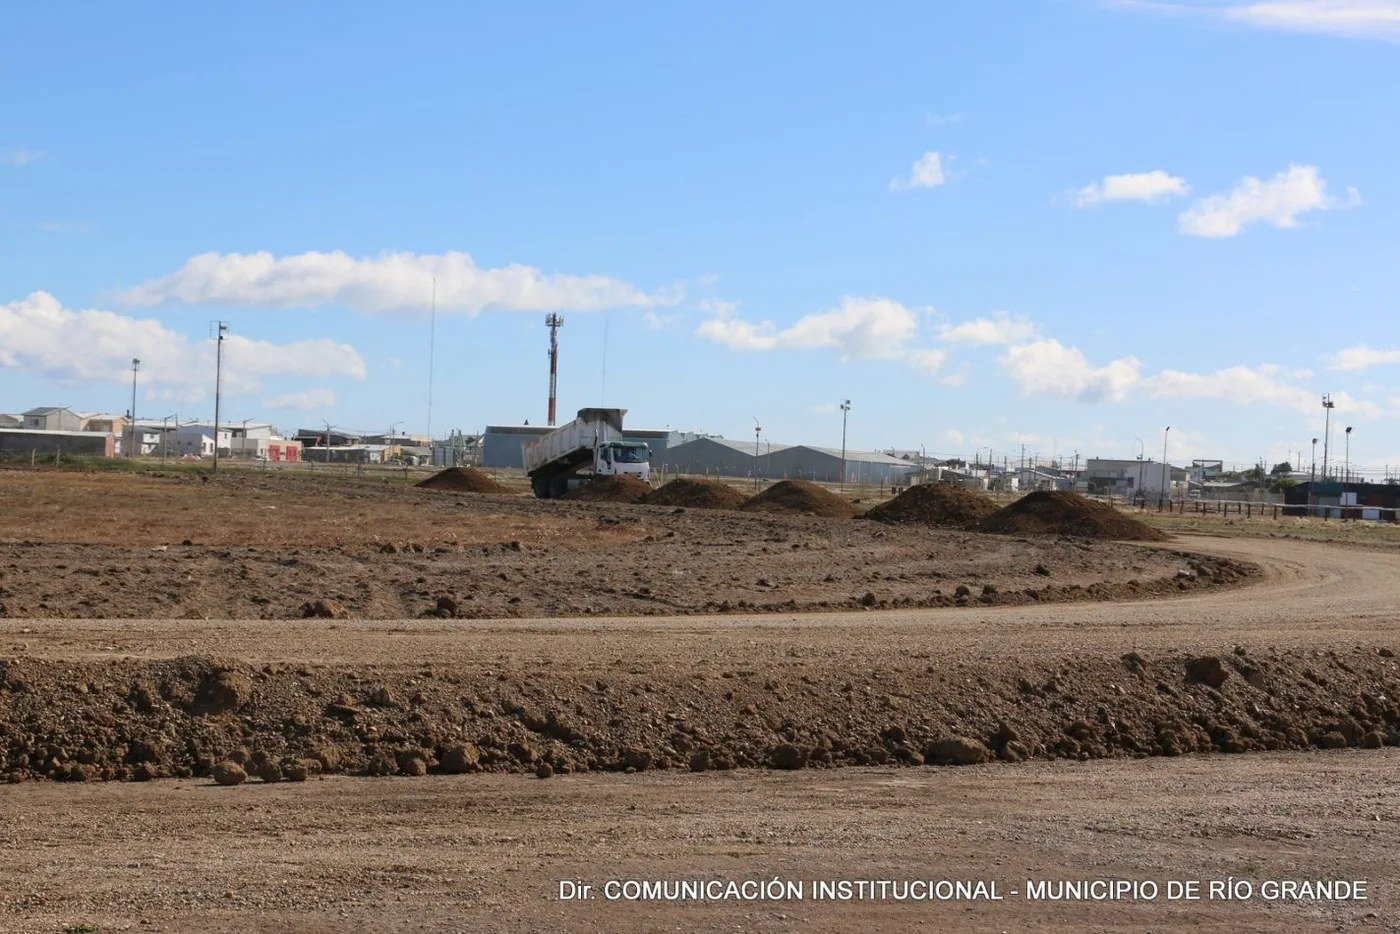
x=199 y=440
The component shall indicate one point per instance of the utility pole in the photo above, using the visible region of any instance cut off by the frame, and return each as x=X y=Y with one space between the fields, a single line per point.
x=845 y=410
x=1327 y=406
x=554 y=322
x=757 y=431
x=1166 y=470
x=135 y=438
x=1348 y=456
x=1141 y=447
x=432 y=340
x=1312 y=474
x=222 y=327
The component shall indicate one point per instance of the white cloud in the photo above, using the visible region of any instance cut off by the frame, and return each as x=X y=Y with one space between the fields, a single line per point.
x=309 y=400
x=942 y=119
x=1352 y=18
x=20 y=157
x=1278 y=201
x=1048 y=368
x=389 y=282
x=926 y=172
x=1361 y=19
x=956 y=378
x=1001 y=328
x=1239 y=384
x=857 y=329
x=1244 y=385
x=659 y=322
x=824 y=408
x=953 y=436
x=39 y=335
x=1152 y=187
x=1361 y=357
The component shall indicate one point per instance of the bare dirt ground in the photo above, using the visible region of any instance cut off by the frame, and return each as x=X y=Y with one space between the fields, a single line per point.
x=1094 y=710
x=255 y=545
x=487 y=853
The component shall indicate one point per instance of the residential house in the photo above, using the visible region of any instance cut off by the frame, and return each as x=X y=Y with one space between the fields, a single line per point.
x=53 y=418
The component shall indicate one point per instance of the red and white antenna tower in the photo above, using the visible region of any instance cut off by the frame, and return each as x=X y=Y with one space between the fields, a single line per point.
x=554 y=322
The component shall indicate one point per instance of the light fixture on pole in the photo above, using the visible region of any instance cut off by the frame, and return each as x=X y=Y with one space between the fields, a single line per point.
x=1141 y=448
x=135 y=443
x=221 y=335
x=757 y=431
x=845 y=410
x=165 y=434
x=1348 y=455
x=1327 y=406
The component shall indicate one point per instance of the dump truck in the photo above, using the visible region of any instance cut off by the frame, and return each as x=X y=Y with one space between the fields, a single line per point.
x=587 y=448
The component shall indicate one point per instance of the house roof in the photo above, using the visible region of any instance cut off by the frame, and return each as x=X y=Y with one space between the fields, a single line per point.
x=48 y=410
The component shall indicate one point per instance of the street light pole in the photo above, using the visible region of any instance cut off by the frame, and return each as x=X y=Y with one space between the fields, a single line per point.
x=135 y=365
x=1312 y=474
x=1327 y=406
x=757 y=431
x=1166 y=471
x=845 y=410
x=1141 y=448
x=221 y=336
x=1348 y=456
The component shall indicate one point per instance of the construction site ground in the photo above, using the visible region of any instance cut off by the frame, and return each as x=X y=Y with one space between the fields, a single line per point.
x=1121 y=703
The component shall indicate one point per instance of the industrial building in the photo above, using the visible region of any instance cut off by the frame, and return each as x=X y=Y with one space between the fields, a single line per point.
x=38 y=441
x=725 y=458
x=1337 y=500
x=1105 y=477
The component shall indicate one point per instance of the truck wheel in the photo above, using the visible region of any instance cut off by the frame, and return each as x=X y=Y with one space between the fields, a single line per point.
x=541 y=487
x=559 y=486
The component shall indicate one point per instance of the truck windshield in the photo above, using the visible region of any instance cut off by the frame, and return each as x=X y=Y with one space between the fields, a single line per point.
x=628 y=454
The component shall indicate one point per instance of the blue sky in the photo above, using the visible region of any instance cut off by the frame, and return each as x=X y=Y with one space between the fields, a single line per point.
x=1065 y=224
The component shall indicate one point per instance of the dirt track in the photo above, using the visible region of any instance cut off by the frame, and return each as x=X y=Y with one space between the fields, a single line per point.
x=378 y=851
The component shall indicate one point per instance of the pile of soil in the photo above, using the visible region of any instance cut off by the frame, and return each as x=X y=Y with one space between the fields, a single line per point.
x=131 y=719
x=611 y=490
x=943 y=505
x=1054 y=512
x=697 y=494
x=800 y=497
x=462 y=480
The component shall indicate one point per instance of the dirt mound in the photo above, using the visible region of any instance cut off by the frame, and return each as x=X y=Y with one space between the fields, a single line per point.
x=1054 y=512
x=611 y=490
x=462 y=480
x=133 y=719
x=697 y=494
x=944 y=505
x=802 y=497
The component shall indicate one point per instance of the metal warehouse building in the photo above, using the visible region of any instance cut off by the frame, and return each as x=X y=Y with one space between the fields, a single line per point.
x=720 y=457
x=501 y=444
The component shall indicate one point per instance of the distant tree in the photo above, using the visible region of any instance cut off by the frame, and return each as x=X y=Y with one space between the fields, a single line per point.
x=1281 y=484
x=1282 y=468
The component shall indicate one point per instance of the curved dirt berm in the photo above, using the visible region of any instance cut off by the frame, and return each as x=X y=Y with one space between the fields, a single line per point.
x=1055 y=512
x=462 y=480
x=941 y=505
x=800 y=497
x=611 y=490
x=697 y=494
x=137 y=720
